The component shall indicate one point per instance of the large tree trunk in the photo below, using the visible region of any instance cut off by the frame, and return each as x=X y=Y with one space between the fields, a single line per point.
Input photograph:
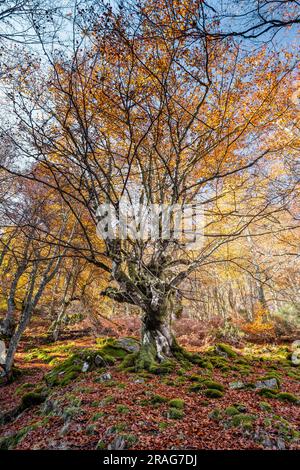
x=159 y=348
x=157 y=335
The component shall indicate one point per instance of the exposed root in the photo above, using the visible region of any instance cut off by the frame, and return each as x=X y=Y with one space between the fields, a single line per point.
x=151 y=359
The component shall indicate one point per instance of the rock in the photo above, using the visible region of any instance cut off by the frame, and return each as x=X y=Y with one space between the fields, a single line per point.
x=130 y=345
x=85 y=367
x=99 y=361
x=139 y=381
x=269 y=383
x=65 y=428
x=118 y=443
x=236 y=385
x=280 y=444
x=52 y=406
x=266 y=442
x=221 y=353
x=55 y=445
x=105 y=377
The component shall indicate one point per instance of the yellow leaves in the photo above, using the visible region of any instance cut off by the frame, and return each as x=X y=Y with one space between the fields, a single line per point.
x=259 y=324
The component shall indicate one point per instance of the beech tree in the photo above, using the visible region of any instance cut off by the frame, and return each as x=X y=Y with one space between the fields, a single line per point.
x=137 y=109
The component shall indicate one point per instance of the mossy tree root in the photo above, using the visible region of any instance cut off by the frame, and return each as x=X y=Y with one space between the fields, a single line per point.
x=148 y=359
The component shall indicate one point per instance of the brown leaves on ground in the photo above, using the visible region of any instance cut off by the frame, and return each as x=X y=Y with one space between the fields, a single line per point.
x=89 y=411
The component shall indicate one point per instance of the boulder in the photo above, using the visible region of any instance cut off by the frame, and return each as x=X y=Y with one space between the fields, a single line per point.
x=268 y=383
x=105 y=377
x=85 y=367
x=130 y=345
x=99 y=361
x=118 y=443
x=237 y=385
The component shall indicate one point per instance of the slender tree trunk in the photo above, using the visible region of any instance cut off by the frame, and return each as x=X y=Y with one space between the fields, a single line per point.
x=14 y=341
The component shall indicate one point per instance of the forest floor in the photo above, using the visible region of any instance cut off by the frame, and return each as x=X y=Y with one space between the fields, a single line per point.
x=231 y=399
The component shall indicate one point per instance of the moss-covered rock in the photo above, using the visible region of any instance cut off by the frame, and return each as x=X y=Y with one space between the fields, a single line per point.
x=211 y=384
x=216 y=414
x=285 y=396
x=107 y=353
x=241 y=407
x=175 y=413
x=101 y=445
x=32 y=398
x=97 y=416
x=11 y=441
x=244 y=421
x=157 y=399
x=177 y=403
x=205 y=383
x=23 y=387
x=265 y=406
x=267 y=393
x=231 y=411
x=226 y=350
x=213 y=393
x=122 y=409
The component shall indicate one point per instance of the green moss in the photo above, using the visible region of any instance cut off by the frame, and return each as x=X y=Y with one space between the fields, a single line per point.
x=98 y=416
x=244 y=421
x=16 y=372
x=213 y=385
x=244 y=369
x=212 y=393
x=32 y=399
x=196 y=387
x=294 y=374
x=220 y=363
x=195 y=378
x=179 y=381
x=265 y=406
x=241 y=361
x=205 y=364
x=267 y=393
x=225 y=348
x=118 y=427
x=241 y=407
x=130 y=439
x=25 y=386
x=285 y=396
x=216 y=414
x=10 y=442
x=112 y=349
x=122 y=409
x=177 y=403
x=163 y=425
x=91 y=429
x=164 y=367
x=174 y=413
x=95 y=403
x=272 y=375
x=158 y=399
x=100 y=445
x=65 y=372
x=70 y=412
x=231 y=411
x=109 y=350
x=128 y=363
x=204 y=383
x=109 y=399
